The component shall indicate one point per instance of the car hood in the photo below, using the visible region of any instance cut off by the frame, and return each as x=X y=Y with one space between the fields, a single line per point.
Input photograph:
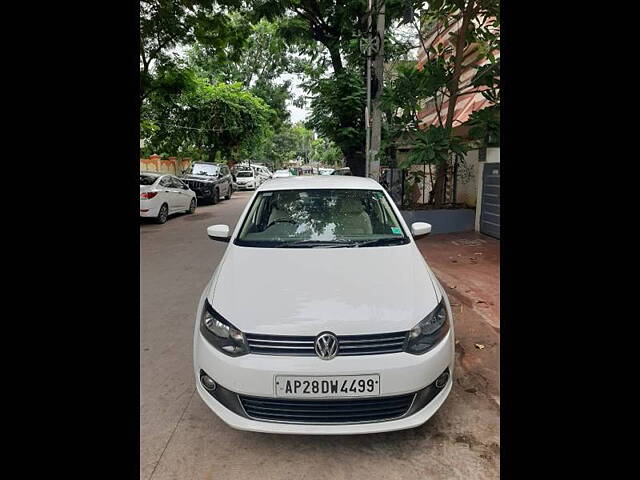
x=305 y=291
x=201 y=178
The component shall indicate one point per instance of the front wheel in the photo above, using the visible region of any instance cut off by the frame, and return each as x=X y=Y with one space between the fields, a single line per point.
x=215 y=197
x=163 y=214
x=229 y=192
x=192 y=206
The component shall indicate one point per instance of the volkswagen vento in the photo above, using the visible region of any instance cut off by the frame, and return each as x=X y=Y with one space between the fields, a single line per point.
x=322 y=316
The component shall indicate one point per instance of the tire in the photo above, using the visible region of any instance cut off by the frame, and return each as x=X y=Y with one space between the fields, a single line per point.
x=163 y=214
x=192 y=206
x=229 y=192
x=215 y=197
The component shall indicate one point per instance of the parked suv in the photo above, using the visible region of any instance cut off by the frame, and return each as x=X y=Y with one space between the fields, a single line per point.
x=210 y=181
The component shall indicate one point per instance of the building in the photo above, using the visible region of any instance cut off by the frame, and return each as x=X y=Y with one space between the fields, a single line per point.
x=476 y=183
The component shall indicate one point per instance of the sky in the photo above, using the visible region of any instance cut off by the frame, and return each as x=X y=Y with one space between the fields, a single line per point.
x=297 y=114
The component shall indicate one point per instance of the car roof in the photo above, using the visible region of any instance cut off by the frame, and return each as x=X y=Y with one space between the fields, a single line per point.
x=320 y=181
x=154 y=174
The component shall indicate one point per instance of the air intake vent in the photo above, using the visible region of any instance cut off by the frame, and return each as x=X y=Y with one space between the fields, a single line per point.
x=327 y=411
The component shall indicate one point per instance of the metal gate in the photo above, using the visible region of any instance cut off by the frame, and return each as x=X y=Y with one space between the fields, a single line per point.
x=490 y=213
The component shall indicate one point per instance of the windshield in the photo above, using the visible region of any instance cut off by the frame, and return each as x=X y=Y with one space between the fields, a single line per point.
x=321 y=218
x=147 y=179
x=204 y=169
x=244 y=174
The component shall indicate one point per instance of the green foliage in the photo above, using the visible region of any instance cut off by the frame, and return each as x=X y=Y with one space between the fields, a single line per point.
x=211 y=118
x=292 y=142
x=411 y=90
x=434 y=145
x=485 y=126
x=488 y=76
x=325 y=152
x=337 y=108
x=264 y=58
x=326 y=34
x=166 y=25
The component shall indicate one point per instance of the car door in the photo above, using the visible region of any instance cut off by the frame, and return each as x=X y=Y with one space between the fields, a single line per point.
x=225 y=184
x=167 y=193
x=182 y=193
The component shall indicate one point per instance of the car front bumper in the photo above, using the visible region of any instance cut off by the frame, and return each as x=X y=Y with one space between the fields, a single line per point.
x=253 y=375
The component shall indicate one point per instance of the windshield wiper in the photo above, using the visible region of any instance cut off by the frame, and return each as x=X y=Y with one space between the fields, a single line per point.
x=316 y=244
x=381 y=242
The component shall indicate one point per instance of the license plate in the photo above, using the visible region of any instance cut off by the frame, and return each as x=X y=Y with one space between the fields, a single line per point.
x=340 y=386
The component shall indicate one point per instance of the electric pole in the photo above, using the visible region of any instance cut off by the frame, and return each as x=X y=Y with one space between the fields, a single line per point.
x=373 y=113
x=367 y=109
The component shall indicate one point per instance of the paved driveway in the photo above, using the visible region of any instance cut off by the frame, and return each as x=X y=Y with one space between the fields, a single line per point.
x=180 y=438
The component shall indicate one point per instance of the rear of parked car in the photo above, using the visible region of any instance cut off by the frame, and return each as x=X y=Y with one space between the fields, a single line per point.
x=162 y=195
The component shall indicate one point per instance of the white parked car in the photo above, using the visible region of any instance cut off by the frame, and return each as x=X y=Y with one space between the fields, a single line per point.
x=247 y=179
x=282 y=173
x=347 y=331
x=162 y=195
x=260 y=172
x=264 y=173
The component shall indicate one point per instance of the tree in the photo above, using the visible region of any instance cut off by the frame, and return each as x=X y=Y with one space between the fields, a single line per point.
x=264 y=58
x=327 y=34
x=469 y=22
x=167 y=25
x=220 y=118
x=290 y=143
x=325 y=152
x=473 y=27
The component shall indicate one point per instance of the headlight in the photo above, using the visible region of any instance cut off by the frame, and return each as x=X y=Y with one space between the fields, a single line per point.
x=426 y=334
x=221 y=334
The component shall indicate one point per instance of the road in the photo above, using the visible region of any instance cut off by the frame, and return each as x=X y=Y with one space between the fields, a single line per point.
x=180 y=438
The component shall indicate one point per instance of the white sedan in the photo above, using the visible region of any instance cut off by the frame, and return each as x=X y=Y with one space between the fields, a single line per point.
x=348 y=330
x=282 y=174
x=162 y=195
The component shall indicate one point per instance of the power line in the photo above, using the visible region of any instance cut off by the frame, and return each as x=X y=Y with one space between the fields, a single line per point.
x=198 y=129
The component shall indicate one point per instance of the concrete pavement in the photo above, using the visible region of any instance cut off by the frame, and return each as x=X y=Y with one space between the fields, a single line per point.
x=180 y=438
x=469 y=264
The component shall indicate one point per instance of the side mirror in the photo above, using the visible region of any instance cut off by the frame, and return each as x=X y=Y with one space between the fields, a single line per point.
x=419 y=229
x=220 y=233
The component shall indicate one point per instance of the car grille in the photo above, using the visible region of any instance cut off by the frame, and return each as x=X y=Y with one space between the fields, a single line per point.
x=327 y=410
x=348 y=344
x=195 y=185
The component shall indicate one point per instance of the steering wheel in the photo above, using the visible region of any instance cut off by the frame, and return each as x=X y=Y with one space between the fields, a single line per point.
x=281 y=220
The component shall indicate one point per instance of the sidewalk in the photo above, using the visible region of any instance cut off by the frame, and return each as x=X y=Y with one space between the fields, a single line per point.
x=468 y=266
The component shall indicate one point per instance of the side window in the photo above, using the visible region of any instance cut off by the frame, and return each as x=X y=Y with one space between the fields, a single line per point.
x=166 y=182
x=177 y=183
x=225 y=171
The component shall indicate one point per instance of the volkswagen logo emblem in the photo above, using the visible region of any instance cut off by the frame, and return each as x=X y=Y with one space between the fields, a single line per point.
x=326 y=346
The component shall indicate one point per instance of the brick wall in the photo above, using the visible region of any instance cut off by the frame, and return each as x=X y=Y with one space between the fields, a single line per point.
x=170 y=165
